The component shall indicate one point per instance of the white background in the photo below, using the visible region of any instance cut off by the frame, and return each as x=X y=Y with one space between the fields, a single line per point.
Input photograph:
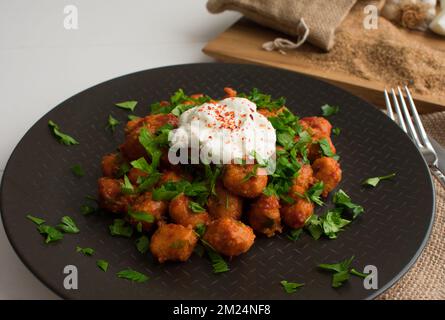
x=42 y=64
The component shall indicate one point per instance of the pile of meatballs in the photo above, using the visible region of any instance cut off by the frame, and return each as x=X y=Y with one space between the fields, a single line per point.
x=233 y=214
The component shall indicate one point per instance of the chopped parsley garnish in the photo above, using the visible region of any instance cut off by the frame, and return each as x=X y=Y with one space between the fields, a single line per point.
x=179 y=103
x=132 y=275
x=336 y=131
x=294 y=234
x=60 y=136
x=251 y=174
x=328 y=110
x=263 y=100
x=171 y=189
x=142 y=244
x=52 y=234
x=77 y=170
x=87 y=209
x=329 y=224
x=341 y=199
x=85 y=251
x=120 y=228
x=373 y=182
x=358 y=273
x=218 y=263
x=102 y=264
x=326 y=149
x=342 y=271
x=127 y=187
x=37 y=221
x=151 y=145
x=196 y=207
x=141 y=216
x=314 y=193
x=127 y=105
x=133 y=117
x=291 y=287
x=141 y=164
x=200 y=229
x=112 y=123
x=211 y=176
x=68 y=225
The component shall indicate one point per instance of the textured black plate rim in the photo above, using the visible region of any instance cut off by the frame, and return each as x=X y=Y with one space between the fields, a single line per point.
x=373 y=295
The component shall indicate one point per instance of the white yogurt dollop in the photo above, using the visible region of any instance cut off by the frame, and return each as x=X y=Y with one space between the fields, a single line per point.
x=227 y=130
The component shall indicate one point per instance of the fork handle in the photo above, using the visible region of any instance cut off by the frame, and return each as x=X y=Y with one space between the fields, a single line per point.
x=439 y=175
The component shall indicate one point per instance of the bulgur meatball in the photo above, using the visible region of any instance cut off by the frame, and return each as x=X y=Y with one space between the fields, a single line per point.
x=182 y=214
x=229 y=237
x=111 y=197
x=224 y=204
x=111 y=164
x=295 y=215
x=327 y=170
x=145 y=204
x=303 y=181
x=173 y=242
x=320 y=126
x=264 y=215
x=131 y=148
x=234 y=179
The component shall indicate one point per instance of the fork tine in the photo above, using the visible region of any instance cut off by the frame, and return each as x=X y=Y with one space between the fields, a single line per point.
x=389 y=112
x=409 y=122
x=399 y=113
x=417 y=120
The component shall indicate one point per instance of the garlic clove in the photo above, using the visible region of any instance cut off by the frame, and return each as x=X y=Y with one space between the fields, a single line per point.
x=438 y=23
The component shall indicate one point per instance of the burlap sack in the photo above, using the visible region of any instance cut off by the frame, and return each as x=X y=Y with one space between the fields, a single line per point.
x=426 y=279
x=322 y=17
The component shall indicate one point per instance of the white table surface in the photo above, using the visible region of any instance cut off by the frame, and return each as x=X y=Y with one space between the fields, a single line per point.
x=42 y=64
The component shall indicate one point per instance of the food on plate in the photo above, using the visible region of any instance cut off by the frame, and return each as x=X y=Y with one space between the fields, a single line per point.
x=201 y=172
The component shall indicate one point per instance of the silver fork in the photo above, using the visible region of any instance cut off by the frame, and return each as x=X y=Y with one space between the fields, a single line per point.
x=414 y=130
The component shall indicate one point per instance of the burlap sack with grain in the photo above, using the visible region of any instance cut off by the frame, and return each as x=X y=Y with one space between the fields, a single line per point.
x=321 y=16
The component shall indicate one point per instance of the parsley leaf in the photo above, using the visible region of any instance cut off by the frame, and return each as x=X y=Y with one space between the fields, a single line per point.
x=341 y=199
x=263 y=100
x=142 y=244
x=212 y=176
x=141 y=216
x=132 y=275
x=128 y=105
x=141 y=164
x=326 y=149
x=196 y=207
x=133 y=117
x=336 y=131
x=341 y=271
x=85 y=251
x=329 y=110
x=373 y=182
x=315 y=226
x=291 y=287
x=77 y=170
x=218 y=263
x=251 y=174
x=329 y=224
x=36 y=220
x=61 y=137
x=200 y=229
x=358 y=273
x=151 y=146
x=102 y=264
x=52 y=234
x=314 y=193
x=294 y=234
x=86 y=209
x=68 y=225
x=120 y=228
x=112 y=123
x=127 y=187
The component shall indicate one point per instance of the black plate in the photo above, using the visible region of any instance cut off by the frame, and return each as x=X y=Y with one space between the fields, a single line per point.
x=390 y=234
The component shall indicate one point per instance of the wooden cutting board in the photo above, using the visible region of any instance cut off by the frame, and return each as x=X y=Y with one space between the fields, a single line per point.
x=242 y=43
